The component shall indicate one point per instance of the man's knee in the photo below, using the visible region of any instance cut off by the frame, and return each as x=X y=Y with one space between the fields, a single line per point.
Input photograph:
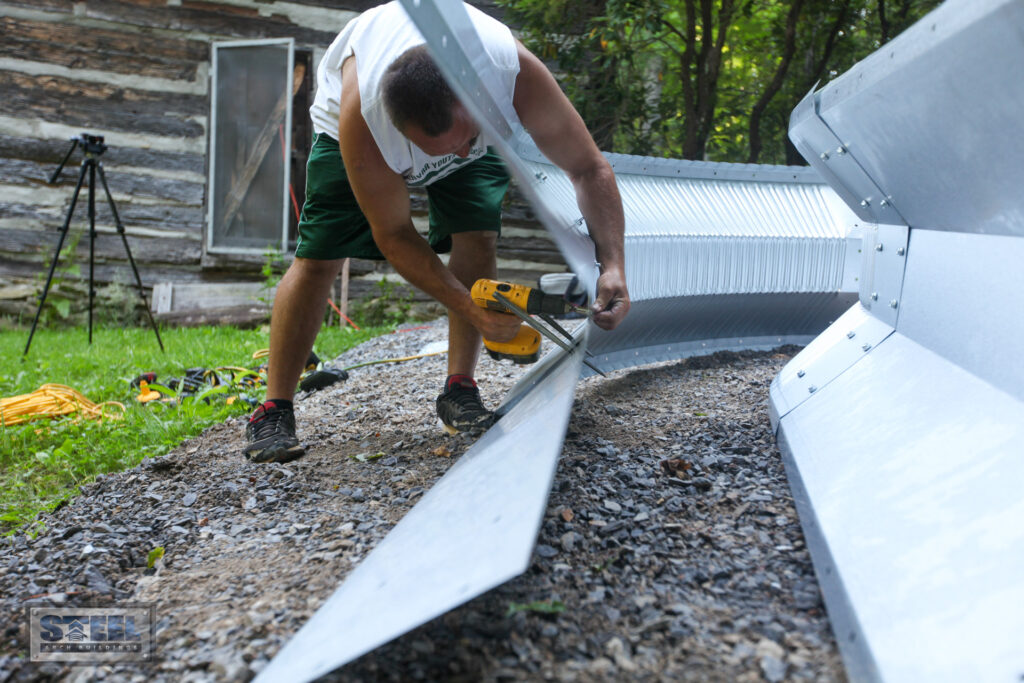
x=315 y=269
x=477 y=240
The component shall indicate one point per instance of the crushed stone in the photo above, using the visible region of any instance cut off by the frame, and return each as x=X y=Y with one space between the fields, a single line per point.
x=670 y=537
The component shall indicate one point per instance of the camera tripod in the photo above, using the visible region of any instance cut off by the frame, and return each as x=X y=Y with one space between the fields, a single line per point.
x=93 y=147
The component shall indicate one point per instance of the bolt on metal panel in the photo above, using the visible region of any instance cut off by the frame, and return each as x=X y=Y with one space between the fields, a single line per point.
x=883 y=261
x=830 y=155
x=830 y=354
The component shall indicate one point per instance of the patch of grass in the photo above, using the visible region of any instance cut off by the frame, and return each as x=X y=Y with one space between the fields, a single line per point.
x=537 y=606
x=43 y=462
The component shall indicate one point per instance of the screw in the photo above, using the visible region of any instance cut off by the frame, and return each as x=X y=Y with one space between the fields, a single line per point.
x=893 y=303
x=800 y=373
x=874 y=296
x=840 y=150
x=851 y=334
x=884 y=203
x=878 y=247
x=824 y=156
x=811 y=389
x=901 y=251
x=866 y=347
x=865 y=203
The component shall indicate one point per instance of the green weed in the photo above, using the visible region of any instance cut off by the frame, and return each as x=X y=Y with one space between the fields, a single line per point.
x=538 y=606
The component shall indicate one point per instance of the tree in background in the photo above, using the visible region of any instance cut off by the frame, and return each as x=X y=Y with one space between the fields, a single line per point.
x=702 y=79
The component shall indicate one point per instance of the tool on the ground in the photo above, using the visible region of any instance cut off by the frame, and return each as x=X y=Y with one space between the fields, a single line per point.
x=556 y=294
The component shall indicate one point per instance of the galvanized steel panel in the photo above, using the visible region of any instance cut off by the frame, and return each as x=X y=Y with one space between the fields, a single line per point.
x=731 y=263
x=830 y=156
x=905 y=465
x=933 y=118
x=677 y=327
x=964 y=299
x=882 y=266
x=906 y=470
x=682 y=265
x=825 y=358
x=474 y=530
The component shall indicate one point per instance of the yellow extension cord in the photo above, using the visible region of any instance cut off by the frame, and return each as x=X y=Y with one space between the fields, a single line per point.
x=53 y=400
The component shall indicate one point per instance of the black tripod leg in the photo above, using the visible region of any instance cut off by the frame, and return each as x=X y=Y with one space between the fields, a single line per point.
x=92 y=239
x=124 y=240
x=56 y=257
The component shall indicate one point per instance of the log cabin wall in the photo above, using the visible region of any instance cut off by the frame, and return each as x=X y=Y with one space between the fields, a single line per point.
x=138 y=73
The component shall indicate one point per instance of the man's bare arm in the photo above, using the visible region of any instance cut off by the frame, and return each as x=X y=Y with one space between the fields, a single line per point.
x=560 y=133
x=384 y=200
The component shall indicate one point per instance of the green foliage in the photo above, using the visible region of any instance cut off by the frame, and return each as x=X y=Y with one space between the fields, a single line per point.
x=43 y=462
x=273 y=269
x=154 y=556
x=367 y=457
x=538 y=606
x=702 y=79
x=390 y=306
x=67 y=301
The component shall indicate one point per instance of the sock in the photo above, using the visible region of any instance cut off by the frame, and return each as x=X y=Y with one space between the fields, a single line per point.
x=464 y=381
x=272 y=403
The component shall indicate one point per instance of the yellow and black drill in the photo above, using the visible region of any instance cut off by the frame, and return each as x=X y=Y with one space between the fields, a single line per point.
x=555 y=294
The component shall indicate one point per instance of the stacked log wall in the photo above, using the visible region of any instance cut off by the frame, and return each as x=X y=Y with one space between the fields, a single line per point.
x=138 y=73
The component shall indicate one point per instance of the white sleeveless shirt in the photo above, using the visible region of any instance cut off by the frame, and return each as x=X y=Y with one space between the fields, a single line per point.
x=377 y=38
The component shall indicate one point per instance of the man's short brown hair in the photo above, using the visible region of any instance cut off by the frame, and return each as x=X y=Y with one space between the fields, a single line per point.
x=414 y=91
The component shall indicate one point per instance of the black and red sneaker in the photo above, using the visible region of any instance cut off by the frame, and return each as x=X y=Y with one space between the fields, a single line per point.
x=460 y=407
x=270 y=433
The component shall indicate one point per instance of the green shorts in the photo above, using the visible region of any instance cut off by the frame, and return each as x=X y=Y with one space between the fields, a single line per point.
x=333 y=227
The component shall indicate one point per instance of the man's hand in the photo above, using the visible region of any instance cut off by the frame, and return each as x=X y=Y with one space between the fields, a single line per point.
x=562 y=136
x=494 y=326
x=612 y=301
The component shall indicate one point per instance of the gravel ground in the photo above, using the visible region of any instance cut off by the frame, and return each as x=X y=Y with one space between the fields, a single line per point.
x=670 y=539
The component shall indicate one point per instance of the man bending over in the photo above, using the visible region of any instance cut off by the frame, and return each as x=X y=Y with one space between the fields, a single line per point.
x=384 y=120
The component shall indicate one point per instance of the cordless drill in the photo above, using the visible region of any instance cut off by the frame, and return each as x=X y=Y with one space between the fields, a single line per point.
x=554 y=295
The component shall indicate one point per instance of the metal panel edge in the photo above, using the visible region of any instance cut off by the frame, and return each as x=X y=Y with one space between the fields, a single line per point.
x=857 y=657
x=644 y=355
x=830 y=354
x=440 y=21
x=904 y=472
x=931 y=117
x=827 y=153
x=424 y=567
x=633 y=164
